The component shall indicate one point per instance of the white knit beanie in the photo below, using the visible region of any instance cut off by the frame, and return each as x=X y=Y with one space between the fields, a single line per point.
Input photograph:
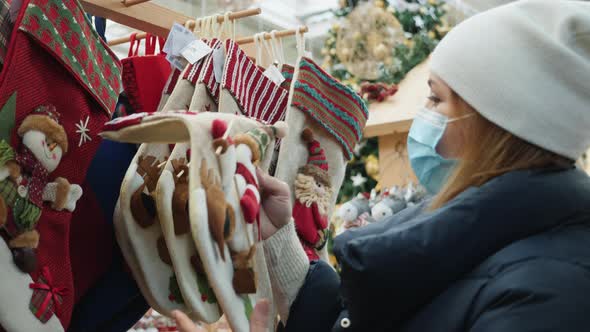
x=525 y=66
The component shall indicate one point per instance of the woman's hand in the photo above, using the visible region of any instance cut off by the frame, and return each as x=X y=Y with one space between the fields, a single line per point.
x=276 y=204
x=258 y=320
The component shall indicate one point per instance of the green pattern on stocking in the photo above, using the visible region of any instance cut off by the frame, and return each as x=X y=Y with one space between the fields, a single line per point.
x=6 y=152
x=62 y=27
x=248 y=305
x=7 y=116
x=175 y=295
x=205 y=289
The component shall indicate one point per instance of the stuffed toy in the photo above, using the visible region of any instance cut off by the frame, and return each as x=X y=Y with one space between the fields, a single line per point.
x=356 y=212
x=25 y=185
x=391 y=203
x=415 y=194
x=312 y=198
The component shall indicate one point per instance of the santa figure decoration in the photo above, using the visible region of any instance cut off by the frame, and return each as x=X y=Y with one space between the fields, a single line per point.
x=238 y=159
x=24 y=182
x=313 y=194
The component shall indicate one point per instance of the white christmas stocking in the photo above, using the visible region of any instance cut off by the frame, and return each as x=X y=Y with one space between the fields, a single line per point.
x=333 y=116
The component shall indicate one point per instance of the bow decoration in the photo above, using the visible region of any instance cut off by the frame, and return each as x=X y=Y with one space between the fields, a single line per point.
x=46 y=297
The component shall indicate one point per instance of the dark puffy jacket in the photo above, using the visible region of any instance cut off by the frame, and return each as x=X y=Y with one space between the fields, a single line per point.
x=511 y=255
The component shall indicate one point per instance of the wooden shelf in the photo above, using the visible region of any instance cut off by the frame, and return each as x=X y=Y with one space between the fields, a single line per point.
x=395 y=114
x=145 y=16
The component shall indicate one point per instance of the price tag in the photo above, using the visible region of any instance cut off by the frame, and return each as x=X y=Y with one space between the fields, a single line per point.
x=177 y=62
x=218 y=63
x=178 y=38
x=195 y=51
x=274 y=74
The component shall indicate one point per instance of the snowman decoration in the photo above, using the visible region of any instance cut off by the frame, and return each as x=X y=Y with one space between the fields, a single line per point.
x=25 y=185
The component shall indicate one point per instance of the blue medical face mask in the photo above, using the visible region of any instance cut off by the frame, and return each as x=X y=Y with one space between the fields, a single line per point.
x=431 y=168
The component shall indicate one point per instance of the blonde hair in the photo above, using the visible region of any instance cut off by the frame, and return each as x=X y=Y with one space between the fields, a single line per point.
x=491 y=151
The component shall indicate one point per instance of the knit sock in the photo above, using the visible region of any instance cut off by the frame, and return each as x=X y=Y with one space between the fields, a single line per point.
x=336 y=116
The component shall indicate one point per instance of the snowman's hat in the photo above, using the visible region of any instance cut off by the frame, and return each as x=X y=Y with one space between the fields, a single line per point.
x=46 y=120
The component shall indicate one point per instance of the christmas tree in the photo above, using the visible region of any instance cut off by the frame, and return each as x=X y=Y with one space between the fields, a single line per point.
x=371 y=64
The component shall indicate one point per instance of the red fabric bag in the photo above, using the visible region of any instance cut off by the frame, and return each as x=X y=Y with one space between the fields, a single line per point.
x=55 y=57
x=144 y=76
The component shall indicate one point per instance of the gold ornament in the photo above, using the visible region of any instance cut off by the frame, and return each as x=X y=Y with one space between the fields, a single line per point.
x=372 y=166
x=325 y=51
x=431 y=34
x=366 y=38
x=345 y=52
x=336 y=26
x=409 y=43
x=433 y=2
x=333 y=51
x=381 y=52
x=422 y=10
x=378 y=187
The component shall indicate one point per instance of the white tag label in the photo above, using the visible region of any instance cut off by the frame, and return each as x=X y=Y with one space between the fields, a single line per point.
x=177 y=62
x=195 y=51
x=178 y=38
x=218 y=63
x=274 y=74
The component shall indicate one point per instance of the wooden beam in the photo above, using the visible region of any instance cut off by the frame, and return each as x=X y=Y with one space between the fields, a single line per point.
x=397 y=112
x=394 y=166
x=279 y=34
x=145 y=16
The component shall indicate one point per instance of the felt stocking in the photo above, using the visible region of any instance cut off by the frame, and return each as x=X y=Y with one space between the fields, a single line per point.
x=139 y=213
x=77 y=79
x=210 y=213
x=333 y=113
x=169 y=87
x=172 y=194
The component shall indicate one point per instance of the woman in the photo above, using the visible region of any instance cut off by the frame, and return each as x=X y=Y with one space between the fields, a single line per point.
x=504 y=245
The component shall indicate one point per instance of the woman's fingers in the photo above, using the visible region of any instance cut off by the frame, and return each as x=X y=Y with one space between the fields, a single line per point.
x=258 y=321
x=270 y=185
x=260 y=316
x=184 y=323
